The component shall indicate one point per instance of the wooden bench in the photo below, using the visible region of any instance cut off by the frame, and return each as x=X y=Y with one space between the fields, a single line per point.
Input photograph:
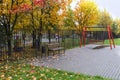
x=54 y=47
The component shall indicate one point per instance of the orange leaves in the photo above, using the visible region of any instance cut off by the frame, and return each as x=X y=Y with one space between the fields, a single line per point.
x=8 y=7
x=25 y=7
x=40 y=3
x=21 y=8
x=14 y=10
x=32 y=71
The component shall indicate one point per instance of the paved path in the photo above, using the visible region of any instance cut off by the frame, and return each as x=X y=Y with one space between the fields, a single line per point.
x=103 y=62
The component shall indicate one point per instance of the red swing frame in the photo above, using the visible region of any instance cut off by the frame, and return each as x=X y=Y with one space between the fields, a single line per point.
x=110 y=36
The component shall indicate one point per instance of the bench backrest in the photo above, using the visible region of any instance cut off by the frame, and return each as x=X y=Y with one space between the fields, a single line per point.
x=53 y=45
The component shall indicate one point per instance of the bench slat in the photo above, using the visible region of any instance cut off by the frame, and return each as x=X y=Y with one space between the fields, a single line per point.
x=59 y=48
x=55 y=47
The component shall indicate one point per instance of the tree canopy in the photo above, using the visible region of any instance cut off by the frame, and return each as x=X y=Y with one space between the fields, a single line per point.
x=53 y=15
x=86 y=13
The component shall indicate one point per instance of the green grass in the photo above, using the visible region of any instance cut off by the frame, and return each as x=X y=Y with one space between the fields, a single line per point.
x=30 y=72
x=117 y=41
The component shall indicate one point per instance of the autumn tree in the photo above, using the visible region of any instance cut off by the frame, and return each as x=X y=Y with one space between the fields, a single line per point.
x=16 y=14
x=69 y=21
x=52 y=18
x=116 y=26
x=104 y=18
x=65 y=13
x=35 y=16
x=44 y=16
x=8 y=18
x=86 y=14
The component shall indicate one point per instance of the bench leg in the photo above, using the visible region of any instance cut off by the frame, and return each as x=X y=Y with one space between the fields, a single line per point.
x=58 y=51
x=53 y=53
x=63 y=51
x=48 y=53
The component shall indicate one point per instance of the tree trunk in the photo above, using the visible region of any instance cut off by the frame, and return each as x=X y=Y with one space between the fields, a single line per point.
x=34 y=39
x=58 y=36
x=81 y=41
x=62 y=37
x=39 y=41
x=9 y=45
x=72 y=38
x=49 y=36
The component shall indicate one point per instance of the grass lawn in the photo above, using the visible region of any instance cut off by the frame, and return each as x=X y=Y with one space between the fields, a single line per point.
x=117 y=41
x=30 y=72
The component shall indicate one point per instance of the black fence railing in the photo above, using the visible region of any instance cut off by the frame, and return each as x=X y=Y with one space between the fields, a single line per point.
x=28 y=44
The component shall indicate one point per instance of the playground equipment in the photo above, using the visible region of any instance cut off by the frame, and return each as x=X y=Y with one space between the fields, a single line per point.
x=97 y=34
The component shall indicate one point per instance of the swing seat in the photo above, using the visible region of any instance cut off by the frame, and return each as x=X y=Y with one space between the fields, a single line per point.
x=100 y=47
x=95 y=41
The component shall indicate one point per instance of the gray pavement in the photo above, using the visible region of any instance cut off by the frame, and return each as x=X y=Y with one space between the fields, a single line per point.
x=103 y=62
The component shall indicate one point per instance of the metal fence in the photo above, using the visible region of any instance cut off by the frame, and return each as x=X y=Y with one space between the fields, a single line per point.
x=25 y=44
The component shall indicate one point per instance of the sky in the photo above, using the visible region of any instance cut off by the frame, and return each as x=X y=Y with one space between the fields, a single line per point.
x=111 y=6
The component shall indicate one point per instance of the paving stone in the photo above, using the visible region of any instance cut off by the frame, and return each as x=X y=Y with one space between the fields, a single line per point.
x=103 y=62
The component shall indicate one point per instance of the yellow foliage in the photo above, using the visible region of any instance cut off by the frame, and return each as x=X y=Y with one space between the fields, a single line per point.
x=105 y=18
x=86 y=14
x=117 y=25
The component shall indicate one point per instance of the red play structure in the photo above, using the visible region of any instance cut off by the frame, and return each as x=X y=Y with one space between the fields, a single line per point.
x=98 y=35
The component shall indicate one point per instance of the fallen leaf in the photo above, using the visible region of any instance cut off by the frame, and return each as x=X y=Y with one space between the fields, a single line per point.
x=32 y=71
x=2 y=75
x=33 y=77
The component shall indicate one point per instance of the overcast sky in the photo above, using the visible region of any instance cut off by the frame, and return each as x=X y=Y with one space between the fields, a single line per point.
x=112 y=6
